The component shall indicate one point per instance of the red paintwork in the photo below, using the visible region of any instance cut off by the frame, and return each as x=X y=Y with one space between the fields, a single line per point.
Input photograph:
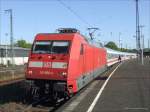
x=78 y=64
x=81 y=64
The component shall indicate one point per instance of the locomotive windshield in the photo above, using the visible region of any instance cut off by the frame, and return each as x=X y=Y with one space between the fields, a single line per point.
x=60 y=47
x=51 y=47
x=42 y=47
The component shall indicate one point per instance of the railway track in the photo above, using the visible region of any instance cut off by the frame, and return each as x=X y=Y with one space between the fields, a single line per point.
x=16 y=107
x=37 y=106
x=7 y=82
x=12 y=100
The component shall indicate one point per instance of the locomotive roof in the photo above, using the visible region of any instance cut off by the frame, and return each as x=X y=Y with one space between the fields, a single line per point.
x=91 y=42
x=88 y=40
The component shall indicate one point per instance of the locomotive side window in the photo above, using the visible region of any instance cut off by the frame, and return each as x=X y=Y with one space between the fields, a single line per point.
x=59 y=47
x=81 y=49
x=41 y=47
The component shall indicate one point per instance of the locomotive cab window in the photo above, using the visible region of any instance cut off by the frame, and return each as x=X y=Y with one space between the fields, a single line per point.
x=41 y=47
x=81 y=49
x=60 y=47
x=51 y=47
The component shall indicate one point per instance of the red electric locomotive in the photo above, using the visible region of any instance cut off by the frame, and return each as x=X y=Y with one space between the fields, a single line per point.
x=62 y=63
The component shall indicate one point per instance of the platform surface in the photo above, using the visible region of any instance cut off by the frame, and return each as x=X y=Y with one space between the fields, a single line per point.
x=127 y=90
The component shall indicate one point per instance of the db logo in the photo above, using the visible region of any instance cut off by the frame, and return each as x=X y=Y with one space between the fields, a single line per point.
x=47 y=64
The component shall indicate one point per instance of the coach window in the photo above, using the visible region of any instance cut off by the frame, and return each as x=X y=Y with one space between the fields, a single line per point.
x=81 y=49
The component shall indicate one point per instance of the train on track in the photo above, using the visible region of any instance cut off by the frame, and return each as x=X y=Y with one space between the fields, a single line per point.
x=62 y=63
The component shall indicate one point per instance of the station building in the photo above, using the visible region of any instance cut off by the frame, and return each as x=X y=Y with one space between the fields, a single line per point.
x=20 y=55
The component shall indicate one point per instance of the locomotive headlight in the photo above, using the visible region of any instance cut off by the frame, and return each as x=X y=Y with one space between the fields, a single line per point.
x=64 y=74
x=30 y=72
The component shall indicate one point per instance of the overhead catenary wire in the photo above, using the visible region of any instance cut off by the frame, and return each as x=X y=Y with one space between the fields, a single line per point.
x=75 y=13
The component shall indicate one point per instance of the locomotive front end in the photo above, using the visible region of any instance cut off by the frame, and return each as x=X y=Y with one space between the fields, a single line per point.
x=48 y=60
x=47 y=67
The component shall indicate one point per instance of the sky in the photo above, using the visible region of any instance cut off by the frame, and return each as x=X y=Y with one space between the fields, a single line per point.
x=112 y=17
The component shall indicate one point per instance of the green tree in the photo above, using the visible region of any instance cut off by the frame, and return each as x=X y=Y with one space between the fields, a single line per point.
x=23 y=44
x=111 y=45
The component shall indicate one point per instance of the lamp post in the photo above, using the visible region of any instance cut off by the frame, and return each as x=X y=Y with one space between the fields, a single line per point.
x=134 y=36
x=6 y=52
x=119 y=40
x=148 y=43
x=138 y=30
x=142 y=38
x=11 y=35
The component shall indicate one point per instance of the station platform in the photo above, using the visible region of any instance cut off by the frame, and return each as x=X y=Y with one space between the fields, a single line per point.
x=127 y=90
